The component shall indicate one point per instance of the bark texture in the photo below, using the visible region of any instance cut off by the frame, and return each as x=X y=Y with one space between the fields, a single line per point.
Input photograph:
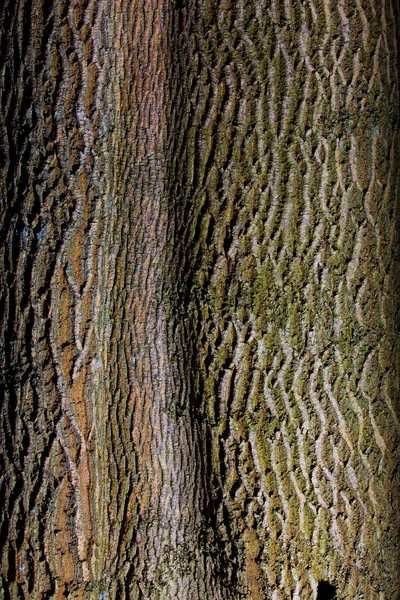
x=199 y=309
x=293 y=188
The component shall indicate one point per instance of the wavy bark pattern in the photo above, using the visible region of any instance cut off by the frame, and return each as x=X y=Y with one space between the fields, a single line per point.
x=293 y=187
x=199 y=234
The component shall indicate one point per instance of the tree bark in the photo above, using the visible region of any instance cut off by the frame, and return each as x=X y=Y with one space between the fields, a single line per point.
x=199 y=310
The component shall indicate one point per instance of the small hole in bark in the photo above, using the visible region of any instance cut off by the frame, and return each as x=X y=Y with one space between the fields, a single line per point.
x=326 y=591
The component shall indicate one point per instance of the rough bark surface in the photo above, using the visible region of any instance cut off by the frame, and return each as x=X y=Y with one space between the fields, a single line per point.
x=199 y=302
x=293 y=188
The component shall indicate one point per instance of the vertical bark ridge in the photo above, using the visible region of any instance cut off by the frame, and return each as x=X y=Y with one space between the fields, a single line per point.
x=164 y=558
x=291 y=236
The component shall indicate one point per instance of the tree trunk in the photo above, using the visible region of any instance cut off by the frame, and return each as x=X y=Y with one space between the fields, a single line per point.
x=199 y=334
